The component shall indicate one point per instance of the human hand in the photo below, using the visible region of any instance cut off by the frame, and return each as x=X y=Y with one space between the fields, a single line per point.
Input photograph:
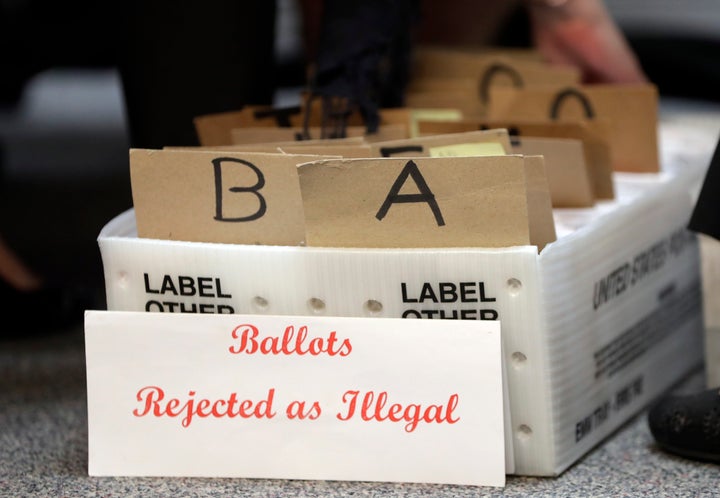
x=583 y=34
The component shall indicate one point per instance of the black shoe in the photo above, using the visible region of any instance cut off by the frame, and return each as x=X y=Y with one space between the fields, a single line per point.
x=688 y=425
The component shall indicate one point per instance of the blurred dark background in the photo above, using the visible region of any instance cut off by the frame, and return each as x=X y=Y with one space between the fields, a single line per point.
x=63 y=126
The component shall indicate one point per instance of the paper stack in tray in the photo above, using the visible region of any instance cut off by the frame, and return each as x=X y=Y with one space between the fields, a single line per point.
x=507 y=206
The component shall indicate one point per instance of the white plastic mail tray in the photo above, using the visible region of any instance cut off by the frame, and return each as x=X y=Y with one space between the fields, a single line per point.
x=602 y=321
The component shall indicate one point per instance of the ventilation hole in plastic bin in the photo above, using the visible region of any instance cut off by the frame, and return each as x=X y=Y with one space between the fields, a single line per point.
x=524 y=432
x=373 y=307
x=316 y=305
x=514 y=286
x=260 y=303
x=123 y=279
x=518 y=359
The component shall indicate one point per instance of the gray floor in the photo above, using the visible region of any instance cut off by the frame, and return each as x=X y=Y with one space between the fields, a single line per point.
x=65 y=179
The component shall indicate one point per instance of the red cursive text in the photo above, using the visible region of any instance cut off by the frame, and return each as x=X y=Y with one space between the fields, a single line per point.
x=377 y=408
x=291 y=342
x=153 y=402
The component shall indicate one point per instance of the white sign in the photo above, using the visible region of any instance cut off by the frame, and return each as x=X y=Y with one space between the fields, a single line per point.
x=255 y=396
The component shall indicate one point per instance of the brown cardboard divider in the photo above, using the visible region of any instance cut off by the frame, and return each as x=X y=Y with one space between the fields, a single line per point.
x=492 y=201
